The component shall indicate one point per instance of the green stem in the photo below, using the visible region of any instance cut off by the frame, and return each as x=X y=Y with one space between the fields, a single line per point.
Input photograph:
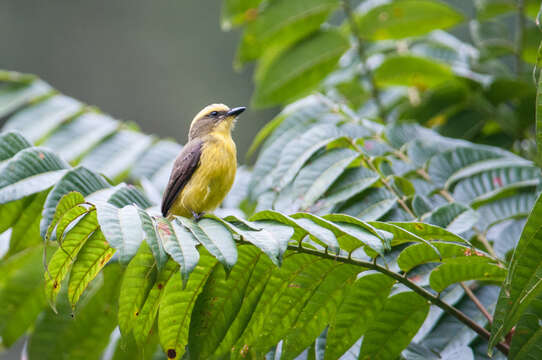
x=363 y=57
x=434 y=299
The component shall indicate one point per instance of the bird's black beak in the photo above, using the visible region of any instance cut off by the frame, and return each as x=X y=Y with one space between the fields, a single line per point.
x=236 y=111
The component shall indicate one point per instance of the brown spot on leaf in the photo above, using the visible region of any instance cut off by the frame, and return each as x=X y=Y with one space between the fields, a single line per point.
x=163 y=227
x=41 y=155
x=55 y=285
x=418 y=226
x=171 y=354
x=160 y=286
x=292 y=285
x=137 y=313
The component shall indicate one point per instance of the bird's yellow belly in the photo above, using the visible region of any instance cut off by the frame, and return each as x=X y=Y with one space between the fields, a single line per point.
x=211 y=181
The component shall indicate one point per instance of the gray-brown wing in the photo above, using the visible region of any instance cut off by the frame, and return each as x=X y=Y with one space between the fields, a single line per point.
x=186 y=163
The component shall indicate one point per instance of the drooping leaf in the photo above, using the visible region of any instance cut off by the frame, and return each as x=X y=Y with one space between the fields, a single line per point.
x=360 y=304
x=225 y=305
x=176 y=307
x=142 y=327
x=86 y=334
x=66 y=203
x=394 y=326
x=136 y=283
x=180 y=244
x=63 y=258
x=91 y=259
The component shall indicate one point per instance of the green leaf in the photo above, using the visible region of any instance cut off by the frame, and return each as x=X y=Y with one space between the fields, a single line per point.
x=299 y=70
x=142 y=328
x=289 y=288
x=226 y=304
x=417 y=254
x=215 y=237
x=122 y=228
x=136 y=283
x=302 y=227
x=180 y=244
x=75 y=138
x=51 y=112
x=237 y=12
x=176 y=307
x=298 y=152
x=361 y=303
x=152 y=239
x=257 y=236
x=84 y=335
x=91 y=259
x=318 y=310
x=427 y=231
x=468 y=268
x=279 y=24
x=116 y=155
x=414 y=71
x=455 y=217
x=451 y=163
x=523 y=281
x=394 y=326
x=528 y=333
x=370 y=205
x=11 y=143
x=485 y=186
x=69 y=217
x=30 y=171
x=25 y=232
x=406 y=18
x=346 y=221
x=65 y=255
x=315 y=179
x=128 y=195
x=79 y=179
x=511 y=207
x=159 y=155
x=21 y=293
x=14 y=96
x=66 y=203
x=349 y=184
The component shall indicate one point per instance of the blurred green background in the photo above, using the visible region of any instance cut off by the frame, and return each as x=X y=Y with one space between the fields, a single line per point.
x=156 y=63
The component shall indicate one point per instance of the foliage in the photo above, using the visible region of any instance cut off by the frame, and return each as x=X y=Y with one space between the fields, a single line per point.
x=357 y=232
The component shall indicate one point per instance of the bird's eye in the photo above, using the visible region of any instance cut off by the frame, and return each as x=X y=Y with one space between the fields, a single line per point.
x=214 y=113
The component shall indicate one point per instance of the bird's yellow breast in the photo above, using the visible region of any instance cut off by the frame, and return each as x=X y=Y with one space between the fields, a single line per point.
x=213 y=178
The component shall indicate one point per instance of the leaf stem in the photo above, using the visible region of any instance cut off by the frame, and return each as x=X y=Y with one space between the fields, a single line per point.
x=363 y=57
x=434 y=299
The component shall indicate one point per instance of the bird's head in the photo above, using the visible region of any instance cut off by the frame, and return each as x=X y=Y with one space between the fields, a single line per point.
x=214 y=118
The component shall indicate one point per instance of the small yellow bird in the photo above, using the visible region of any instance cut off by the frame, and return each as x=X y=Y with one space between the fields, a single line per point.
x=204 y=171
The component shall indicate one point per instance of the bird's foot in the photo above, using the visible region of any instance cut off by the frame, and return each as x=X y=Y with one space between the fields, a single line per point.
x=197 y=216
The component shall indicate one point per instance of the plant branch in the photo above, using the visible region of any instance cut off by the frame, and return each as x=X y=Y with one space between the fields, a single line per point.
x=434 y=299
x=383 y=180
x=477 y=302
x=363 y=57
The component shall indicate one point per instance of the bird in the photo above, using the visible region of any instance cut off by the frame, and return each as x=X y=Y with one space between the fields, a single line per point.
x=204 y=171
